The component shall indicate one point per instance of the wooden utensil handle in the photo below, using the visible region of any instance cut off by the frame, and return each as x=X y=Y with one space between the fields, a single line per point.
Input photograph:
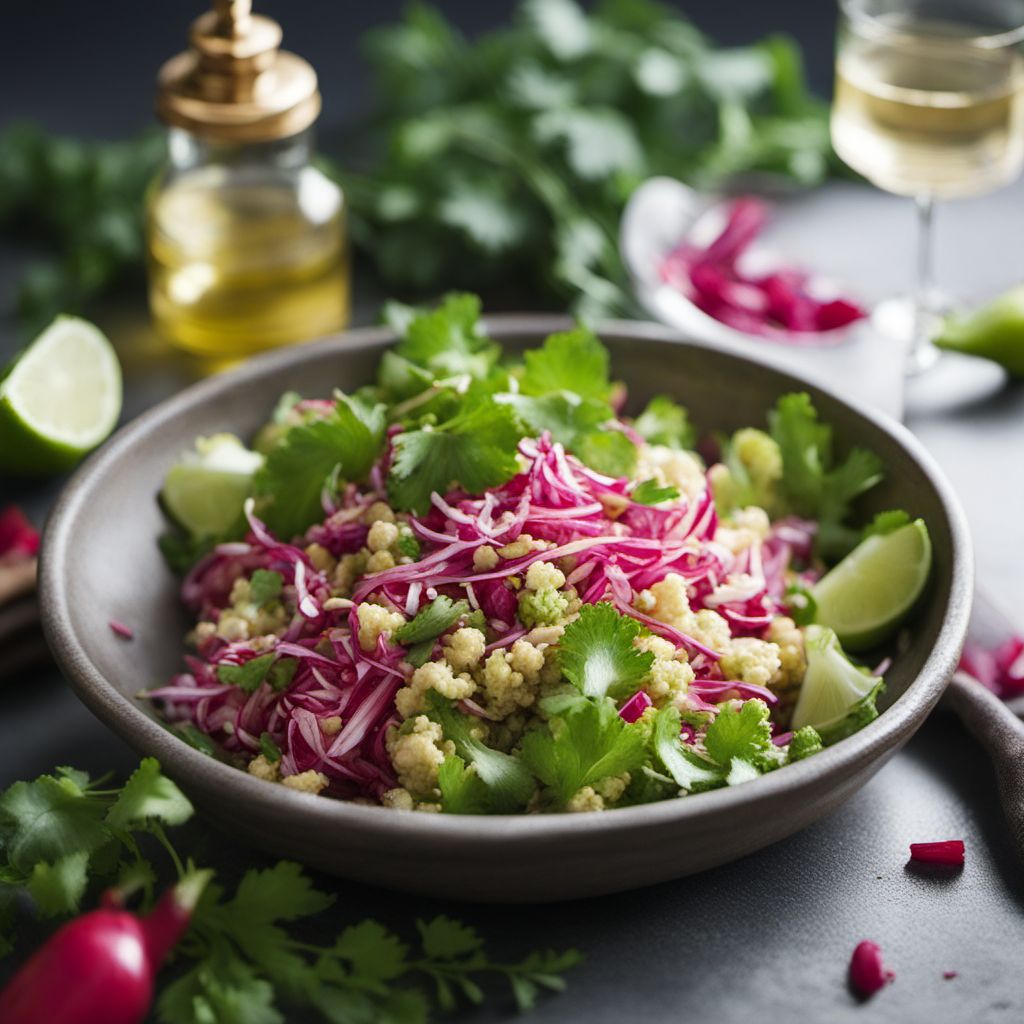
x=1001 y=733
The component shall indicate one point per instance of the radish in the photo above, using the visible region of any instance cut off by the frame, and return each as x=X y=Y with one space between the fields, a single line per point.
x=100 y=967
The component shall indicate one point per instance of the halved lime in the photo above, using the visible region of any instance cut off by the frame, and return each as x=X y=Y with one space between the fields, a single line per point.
x=205 y=491
x=869 y=593
x=833 y=686
x=59 y=399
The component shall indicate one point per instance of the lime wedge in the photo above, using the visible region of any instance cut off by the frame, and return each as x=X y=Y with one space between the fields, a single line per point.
x=205 y=491
x=869 y=593
x=59 y=399
x=833 y=688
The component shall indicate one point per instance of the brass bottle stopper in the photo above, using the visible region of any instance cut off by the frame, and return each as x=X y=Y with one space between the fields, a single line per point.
x=234 y=83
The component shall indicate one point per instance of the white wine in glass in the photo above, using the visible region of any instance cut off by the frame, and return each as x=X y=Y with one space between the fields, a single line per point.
x=929 y=103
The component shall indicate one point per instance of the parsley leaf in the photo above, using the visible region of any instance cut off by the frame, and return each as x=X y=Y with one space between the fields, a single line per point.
x=650 y=492
x=307 y=459
x=667 y=423
x=587 y=742
x=476 y=449
x=742 y=732
x=441 y=614
x=506 y=779
x=597 y=653
x=573 y=361
x=264 y=586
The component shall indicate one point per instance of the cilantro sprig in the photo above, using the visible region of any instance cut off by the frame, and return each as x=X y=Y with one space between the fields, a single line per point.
x=597 y=653
x=243 y=960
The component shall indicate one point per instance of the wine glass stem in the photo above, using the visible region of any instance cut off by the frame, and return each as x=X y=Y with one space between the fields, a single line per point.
x=922 y=352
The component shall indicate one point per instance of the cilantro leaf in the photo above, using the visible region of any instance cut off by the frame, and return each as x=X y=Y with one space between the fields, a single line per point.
x=373 y=952
x=476 y=450
x=586 y=743
x=886 y=522
x=265 y=586
x=49 y=819
x=307 y=459
x=564 y=415
x=574 y=361
x=650 y=492
x=447 y=340
x=269 y=748
x=607 y=451
x=149 y=795
x=462 y=790
x=58 y=888
x=742 y=732
x=506 y=778
x=249 y=675
x=445 y=939
x=597 y=653
x=667 y=423
x=689 y=770
x=441 y=614
x=813 y=485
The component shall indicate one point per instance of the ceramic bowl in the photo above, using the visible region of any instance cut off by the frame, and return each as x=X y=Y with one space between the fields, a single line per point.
x=100 y=562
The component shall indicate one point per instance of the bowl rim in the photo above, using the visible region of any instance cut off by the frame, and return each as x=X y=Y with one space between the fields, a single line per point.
x=198 y=771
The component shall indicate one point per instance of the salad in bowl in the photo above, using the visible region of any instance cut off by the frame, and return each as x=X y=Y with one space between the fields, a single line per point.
x=479 y=586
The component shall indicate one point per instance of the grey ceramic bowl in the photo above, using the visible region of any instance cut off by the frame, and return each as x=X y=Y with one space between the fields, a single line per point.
x=100 y=561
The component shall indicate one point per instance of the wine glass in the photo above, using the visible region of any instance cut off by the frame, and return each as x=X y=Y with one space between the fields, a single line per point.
x=929 y=103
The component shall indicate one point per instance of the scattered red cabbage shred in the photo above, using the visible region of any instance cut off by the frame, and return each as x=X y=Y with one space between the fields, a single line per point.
x=1000 y=669
x=867 y=972
x=949 y=852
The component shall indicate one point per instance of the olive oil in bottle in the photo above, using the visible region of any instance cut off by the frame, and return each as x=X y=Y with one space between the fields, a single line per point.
x=246 y=236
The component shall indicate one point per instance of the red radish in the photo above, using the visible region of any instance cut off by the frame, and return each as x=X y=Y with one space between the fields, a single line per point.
x=18 y=538
x=867 y=972
x=950 y=852
x=100 y=967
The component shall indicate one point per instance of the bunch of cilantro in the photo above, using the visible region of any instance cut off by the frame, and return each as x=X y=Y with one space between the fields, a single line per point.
x=511 y=156
x=583 y=741
x=461 y=413
x=504 y=158
x=64 y=836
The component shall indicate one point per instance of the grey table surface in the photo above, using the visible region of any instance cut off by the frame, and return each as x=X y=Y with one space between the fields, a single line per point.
x=768 y=936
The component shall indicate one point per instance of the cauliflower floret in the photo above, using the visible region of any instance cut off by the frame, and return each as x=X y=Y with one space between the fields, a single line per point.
x=434 y=675
x=668 y=679
x=331 y=725
x=667 y=601
x=347 y=571
x=710 y=629
x=521 y=546
x=464 y=648
x=759 y=452
x=752 y=518
x=485 y=558
x=382 y=536
x=375 y=620
x=321 y=558
x=232 y=627
x=586 y=799
x=544 y=607
x=264 y=769
x=378 y=512
x=307 y=782
x=418 y=754
x=789 y=638
x=611 y=788
x=658 y=646
x=751 y=660
x=527 y=659
x=671 y=601
x=671 y=468
x=398 y=799
x=379 y=561
x=505 y=688
x=541 y=575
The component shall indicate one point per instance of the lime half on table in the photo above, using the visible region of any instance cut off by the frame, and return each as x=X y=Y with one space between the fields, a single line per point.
x=869 y=593
x=59 y=399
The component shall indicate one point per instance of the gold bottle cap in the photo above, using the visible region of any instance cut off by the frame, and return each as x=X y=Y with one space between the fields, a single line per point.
x=234 y=84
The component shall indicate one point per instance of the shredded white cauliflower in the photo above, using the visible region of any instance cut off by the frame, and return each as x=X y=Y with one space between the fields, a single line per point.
x=374 y=621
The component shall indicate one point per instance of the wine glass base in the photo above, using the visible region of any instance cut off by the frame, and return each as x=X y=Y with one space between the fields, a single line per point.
x=912 y=328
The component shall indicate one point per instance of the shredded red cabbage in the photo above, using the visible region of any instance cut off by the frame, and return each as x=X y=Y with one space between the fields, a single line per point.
x=18 y=538
x=867 y=972
x=1000 y=669
x=949 y=852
